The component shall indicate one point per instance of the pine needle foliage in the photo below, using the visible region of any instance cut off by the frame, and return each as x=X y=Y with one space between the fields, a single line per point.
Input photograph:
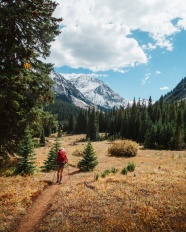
x=42 y=138
x=27 y=28
x=26 y=164
x=50 y=163
x=89 y=161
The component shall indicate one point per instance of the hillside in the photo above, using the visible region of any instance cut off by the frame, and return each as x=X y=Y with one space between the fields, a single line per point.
x=178 y=93
x=152 y=198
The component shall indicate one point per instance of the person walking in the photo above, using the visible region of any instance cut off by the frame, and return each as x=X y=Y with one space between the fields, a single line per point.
x=61 y=160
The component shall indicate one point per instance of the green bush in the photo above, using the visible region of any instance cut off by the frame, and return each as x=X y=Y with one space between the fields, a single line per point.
x=131 y=166
x=125 y=148
x=103 y=174
x=107 y=171
x=114 y=170
x=124 y=171
x=96 y=176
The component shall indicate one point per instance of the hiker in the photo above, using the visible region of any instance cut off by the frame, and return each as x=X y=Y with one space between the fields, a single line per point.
x=61 y=161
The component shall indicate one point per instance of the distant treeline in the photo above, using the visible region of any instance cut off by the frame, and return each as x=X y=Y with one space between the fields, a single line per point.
x=158 y=126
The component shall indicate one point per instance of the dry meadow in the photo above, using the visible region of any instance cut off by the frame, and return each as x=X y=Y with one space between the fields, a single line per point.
x=152 y=198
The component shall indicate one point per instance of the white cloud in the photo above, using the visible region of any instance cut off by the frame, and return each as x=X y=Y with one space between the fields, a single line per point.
x=149 y=46
x=69 y=76
x=145 y=79
x=164 y=88
x=182 y=23
x=98 y=34
x=158 y=72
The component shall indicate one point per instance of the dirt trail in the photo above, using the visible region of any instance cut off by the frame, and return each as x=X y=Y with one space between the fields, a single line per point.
x=37 y=211
x=34 y=215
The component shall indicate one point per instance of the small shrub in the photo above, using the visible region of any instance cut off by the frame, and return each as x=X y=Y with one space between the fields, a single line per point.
x=124 y=171
x=125 y=148
x=107 y=171
x=114 y=170
x=96 y=176
x=103 y=174
x=78 y=153
x=131 y=166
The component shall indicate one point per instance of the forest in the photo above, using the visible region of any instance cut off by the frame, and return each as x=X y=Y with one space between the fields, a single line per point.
x=159 y=125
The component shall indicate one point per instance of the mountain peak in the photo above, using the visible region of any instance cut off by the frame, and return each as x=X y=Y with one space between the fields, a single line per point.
x=91 y=90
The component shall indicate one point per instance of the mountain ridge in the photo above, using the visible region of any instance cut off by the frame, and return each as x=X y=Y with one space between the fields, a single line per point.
x=85 y=91
x=178 y=93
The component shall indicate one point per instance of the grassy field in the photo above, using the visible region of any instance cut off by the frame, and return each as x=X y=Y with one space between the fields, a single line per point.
x=152 y=198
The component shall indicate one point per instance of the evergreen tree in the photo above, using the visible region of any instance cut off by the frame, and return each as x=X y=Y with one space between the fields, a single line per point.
x=112 y=126
x=93 y=126
x=50 y=163
x=82 y=120
x=47 y=131
x=59 y=131
x=151 y=137
x=179 y=132
x=27 y=28
x=150 y=109
x=102 y=122
x=71 y=124
x=42 y=138
x=26 y=164
x=144 y=122
x=89 y=161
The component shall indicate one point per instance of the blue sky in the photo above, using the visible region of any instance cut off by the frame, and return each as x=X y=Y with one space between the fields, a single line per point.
x=137 y=47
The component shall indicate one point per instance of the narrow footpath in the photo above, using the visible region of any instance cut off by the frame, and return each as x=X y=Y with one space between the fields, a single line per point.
x=34 y=215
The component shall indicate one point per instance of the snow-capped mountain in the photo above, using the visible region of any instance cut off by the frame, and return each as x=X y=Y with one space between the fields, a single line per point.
x=85 y=90
x=66 y=91
x=100 y=94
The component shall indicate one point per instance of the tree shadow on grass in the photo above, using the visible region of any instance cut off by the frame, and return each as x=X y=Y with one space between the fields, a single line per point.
x=74 y=172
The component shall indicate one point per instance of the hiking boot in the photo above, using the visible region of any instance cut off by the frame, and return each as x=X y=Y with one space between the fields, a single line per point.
x=60 y=181
x=57 y=181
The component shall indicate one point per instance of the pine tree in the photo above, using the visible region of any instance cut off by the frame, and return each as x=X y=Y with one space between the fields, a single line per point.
x=71 y=124
x=102 y=122
x=81 y=125
x=47 y=131
x=89 y=161
x=42 y=138
x=59 y=131
x=27 y=28
x=179 y=132
x=93 y=126
x=26 y=164
x=50 y=163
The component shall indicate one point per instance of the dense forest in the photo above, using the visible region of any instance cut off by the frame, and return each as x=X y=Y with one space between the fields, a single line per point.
x=161 y=125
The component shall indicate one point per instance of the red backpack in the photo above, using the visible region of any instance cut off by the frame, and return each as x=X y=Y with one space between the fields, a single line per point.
x=61 y=157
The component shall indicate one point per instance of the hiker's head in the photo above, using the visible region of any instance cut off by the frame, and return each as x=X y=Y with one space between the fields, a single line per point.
x=62 y=149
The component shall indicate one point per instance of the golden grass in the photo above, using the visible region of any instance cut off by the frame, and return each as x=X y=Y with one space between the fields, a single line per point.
x=152 y=198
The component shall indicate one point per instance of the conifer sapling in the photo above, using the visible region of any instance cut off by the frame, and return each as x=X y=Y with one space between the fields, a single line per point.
x=89 y=161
